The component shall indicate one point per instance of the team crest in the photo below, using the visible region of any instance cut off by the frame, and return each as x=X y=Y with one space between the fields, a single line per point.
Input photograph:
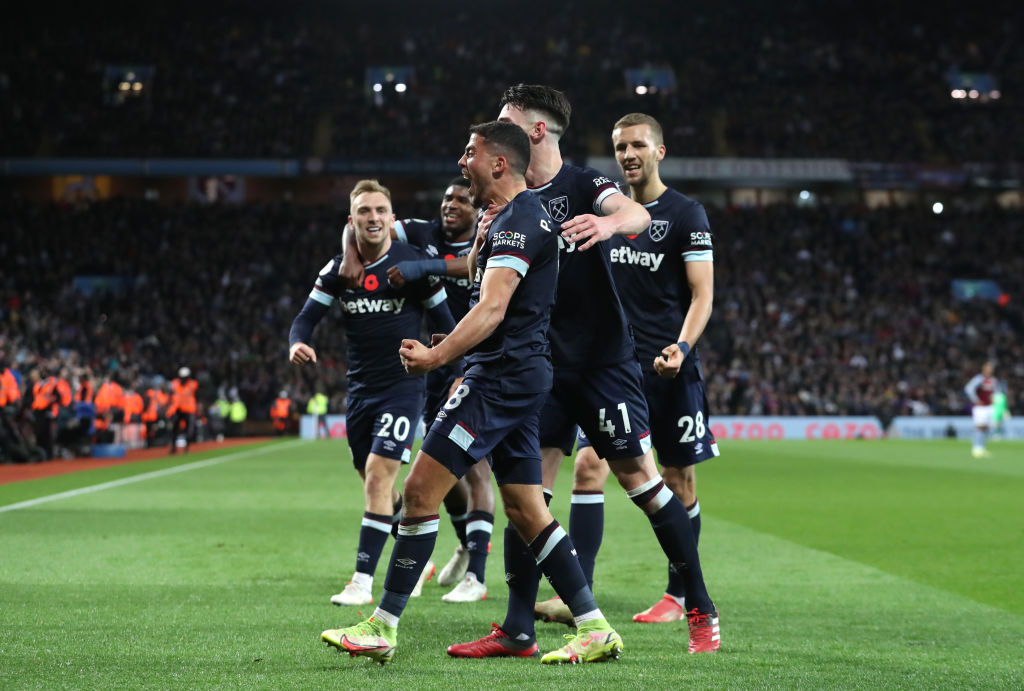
x=559 y=208
x=659 y=229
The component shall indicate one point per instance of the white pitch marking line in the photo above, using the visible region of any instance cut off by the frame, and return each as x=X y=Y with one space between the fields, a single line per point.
x=144 y=476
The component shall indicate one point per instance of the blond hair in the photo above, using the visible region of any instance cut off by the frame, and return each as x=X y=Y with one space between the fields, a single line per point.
x=633 y=119
x=364 y=186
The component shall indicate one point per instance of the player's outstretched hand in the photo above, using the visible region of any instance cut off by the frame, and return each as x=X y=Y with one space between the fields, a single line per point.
x=587 y=229
x=416 y=357
x=301 y=354
x=670 y=362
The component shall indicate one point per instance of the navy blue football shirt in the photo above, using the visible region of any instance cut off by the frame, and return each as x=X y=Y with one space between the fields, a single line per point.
x=650 y=270
x=588 y=325
x=377 y=316
x=430 y=237
x=521 y=237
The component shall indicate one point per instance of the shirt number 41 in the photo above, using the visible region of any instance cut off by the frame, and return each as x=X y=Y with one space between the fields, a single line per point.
x=605 y=423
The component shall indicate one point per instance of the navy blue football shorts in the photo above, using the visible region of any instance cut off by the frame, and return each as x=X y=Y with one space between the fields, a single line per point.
x=679 y=419
x=480 y=420
x=384 y=424
x=439 y=384
x=607 y=403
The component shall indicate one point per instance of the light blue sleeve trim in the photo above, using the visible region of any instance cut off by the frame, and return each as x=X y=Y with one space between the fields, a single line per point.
x=400 y=232
x=601 y=197
x=699 y=256
x=508 y=261
x=435 y=299
x=321 y=297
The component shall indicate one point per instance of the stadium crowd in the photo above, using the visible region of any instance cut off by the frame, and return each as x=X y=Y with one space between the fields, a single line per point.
x=855 y=81
x=830 y=310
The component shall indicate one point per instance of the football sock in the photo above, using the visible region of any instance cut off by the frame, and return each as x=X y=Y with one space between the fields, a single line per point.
x=413 y=547
x=458 y=512
x=478 y=536
x=672 y=527
x=372 y=535
x=979 y=439
x=676 y=588
x=586 y=528
x=523 y=578
x=557 y=559
x=396 y=510
x=693 y=511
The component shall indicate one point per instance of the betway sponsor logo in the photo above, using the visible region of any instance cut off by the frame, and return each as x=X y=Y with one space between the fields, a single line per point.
x=627 y=255
x=368 y=305
x=460 y=282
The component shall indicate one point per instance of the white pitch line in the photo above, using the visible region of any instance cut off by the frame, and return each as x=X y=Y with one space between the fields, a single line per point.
x=144 y=476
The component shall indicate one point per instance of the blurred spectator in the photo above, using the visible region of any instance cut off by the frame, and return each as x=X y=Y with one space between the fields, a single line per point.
x=830 y=310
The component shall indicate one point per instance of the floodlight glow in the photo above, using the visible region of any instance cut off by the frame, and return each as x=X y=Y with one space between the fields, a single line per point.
x=805 y=195
x=973 y=93
x=377 y=87
x=641 y=89
x=937 y=208
x=995 y=93
x=400 y=87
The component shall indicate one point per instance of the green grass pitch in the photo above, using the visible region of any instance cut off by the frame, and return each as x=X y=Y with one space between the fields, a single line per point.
x=847 y=565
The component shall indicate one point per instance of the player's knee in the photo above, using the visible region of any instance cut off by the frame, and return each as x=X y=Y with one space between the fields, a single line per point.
x=633 y=472
x=416 y=498
x=589 y=470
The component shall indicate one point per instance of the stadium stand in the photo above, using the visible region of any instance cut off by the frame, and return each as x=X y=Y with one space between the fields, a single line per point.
x=836 y=308
x=854 y=81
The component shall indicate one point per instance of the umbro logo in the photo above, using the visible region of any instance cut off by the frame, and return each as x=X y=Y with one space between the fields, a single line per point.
x=362 y=556
x=698 y=448
x=619 y=443
x=405 y=563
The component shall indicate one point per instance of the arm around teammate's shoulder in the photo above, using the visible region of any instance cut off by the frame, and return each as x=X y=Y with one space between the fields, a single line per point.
x=622 y=216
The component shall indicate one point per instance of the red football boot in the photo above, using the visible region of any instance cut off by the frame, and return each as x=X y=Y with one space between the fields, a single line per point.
x=495 y=644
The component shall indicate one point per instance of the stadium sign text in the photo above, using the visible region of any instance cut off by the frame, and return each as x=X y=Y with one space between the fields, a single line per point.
x=858 y=427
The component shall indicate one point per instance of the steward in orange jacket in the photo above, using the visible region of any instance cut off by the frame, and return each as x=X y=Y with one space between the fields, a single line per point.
x=183 y=409
x=109 y=403
x=281 y=412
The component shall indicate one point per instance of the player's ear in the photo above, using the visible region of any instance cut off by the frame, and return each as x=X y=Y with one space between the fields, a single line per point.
x=540 y=128
x=661 y=151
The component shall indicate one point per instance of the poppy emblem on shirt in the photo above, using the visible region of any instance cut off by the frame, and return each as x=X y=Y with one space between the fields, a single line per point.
x=371 y=282
x=659 y=229
x=559 y=208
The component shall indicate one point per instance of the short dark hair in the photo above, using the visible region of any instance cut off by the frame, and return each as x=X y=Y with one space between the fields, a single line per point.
x=507 y=139
x=458 y=182
x=545 y=99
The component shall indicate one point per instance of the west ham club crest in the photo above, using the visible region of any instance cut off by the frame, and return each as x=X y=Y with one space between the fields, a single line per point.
x=659 y=229
x=559 y=208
